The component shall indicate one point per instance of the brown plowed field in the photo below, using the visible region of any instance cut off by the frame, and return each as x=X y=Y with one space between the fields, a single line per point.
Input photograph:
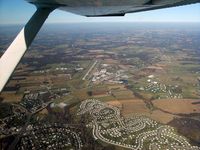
x=171 y=108
x=180 y=106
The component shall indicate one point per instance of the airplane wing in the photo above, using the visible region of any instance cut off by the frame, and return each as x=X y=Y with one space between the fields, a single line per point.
x=89 y=8
x=98 y=8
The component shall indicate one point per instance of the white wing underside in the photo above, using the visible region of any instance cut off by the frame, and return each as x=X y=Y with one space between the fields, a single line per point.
x=12 y=57
x=110 y=7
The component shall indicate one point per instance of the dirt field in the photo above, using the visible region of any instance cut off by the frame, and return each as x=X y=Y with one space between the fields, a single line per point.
x=123 y=94
x=161 y=116
x=115 y=103
x=11 y=97
x=138 y=107
x=133 y=106
x=182 y=106
x=116 y=86
x=110 y=61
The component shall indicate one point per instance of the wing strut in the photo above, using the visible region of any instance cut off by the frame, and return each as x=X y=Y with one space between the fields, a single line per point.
x=18 y=47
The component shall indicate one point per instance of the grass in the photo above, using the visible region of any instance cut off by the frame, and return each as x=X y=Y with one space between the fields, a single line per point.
x=122 y=94
x=106 y=98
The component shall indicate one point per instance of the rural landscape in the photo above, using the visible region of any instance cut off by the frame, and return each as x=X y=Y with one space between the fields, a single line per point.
x=124 y=85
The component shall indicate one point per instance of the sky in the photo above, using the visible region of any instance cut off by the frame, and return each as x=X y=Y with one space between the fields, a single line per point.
x=19 y=12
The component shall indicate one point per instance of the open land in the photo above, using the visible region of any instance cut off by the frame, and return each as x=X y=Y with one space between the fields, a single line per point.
x=142 y=75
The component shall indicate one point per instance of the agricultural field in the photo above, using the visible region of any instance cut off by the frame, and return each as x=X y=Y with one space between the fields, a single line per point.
x=142 y=76
x=182 y=106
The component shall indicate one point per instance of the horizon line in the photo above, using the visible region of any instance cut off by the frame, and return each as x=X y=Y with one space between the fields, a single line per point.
x=80 y=22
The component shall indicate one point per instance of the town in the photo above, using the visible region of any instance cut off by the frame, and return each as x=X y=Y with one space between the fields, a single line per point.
x=136 y=87
x=133 y=133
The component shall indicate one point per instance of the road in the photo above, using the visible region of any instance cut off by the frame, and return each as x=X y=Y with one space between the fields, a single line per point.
x=20 y=133
x=14 y=143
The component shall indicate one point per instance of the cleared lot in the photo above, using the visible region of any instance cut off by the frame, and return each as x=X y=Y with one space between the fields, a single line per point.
x=169 y=109
x=181 y=106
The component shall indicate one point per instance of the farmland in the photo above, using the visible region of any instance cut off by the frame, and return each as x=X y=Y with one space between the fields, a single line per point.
x=139 y=75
